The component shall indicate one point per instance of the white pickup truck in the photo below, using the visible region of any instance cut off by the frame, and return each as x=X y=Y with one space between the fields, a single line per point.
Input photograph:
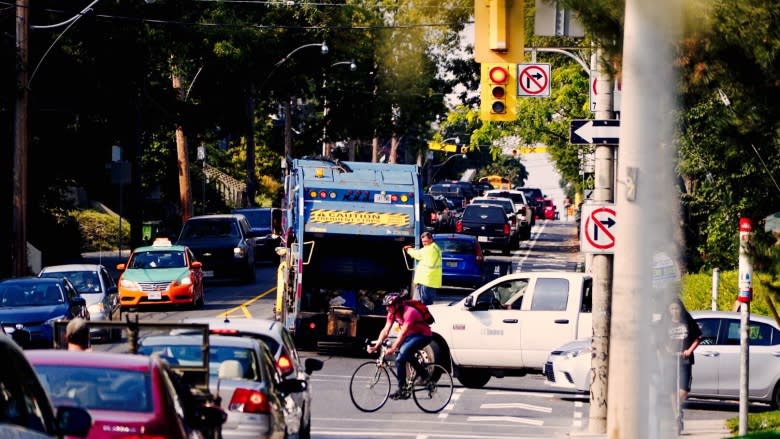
x=508 y=326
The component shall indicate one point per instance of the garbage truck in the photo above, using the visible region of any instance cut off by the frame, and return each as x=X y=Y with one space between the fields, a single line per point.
x=345 y=225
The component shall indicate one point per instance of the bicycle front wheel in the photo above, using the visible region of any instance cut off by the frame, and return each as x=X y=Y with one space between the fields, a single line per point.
x=432 y=396
x=369 y=387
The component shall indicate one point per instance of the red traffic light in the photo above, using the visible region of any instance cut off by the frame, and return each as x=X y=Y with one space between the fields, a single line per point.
x=498 y=75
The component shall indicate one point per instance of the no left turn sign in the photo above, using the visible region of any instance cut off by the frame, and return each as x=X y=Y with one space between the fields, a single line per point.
x=599 y=223
x=533 y=80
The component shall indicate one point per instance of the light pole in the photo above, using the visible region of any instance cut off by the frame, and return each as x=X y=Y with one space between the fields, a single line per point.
x=352 y=68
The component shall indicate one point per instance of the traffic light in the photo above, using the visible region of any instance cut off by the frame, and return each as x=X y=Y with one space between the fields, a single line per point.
x=498 y=92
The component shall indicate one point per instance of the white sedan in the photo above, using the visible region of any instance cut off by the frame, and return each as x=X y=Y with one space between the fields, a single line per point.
x=716 y=366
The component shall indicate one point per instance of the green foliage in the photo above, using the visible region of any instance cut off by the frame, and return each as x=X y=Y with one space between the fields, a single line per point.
x=100 y=231
x=759 y=425
x=697 y=292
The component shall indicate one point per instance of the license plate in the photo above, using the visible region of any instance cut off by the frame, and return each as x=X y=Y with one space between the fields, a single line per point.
x=208 y=273
x=381 y=198
x=482 y=239
x=155 y=295
x=452 y=264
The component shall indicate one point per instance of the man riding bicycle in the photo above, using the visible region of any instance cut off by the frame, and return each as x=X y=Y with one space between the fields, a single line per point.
x=414 y=335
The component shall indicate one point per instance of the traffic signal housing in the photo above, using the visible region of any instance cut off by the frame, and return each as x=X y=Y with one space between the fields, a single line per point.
x=498 y=92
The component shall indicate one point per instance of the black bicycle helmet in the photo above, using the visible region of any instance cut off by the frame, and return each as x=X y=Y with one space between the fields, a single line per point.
x=391 y=299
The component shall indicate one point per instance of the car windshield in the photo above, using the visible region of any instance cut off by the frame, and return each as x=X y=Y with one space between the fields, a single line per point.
x=30 y=294
x=97 y=388
x=213 y=228
x=455 y=245
x=190 y=355
x=158 y=259
x=85 y=282
x=504 y=204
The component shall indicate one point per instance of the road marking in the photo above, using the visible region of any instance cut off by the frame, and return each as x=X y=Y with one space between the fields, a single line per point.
x=505 y=419
x=243 y=306
x=516 y=405
x=531 y=243
x=578 y=414
x=507 y=393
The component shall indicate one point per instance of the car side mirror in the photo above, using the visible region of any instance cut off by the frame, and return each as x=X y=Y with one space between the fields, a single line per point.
x=469 y=303
x=79 y=301
x=208 y=417
x=292 y=386
x=197 y=265
x=120 y=267
x=73 y=421
x=312 y=364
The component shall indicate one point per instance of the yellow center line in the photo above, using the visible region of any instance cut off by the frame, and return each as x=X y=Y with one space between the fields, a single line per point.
x=243 y=306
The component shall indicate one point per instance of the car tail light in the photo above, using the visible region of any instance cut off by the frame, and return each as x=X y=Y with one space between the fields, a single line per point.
x=312 y=325
x=507 y=229
x=284 y=365
x=249 y=401
x=479 y=256
x=434 y=216
x=459 y=226
x=514 y=222
x=224 y=331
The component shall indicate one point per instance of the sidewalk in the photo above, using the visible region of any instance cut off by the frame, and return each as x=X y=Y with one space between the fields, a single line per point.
x=695 y=428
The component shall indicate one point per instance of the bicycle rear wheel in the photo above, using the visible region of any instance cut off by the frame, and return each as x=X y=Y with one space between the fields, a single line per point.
x=369 y=387
x=433 y=395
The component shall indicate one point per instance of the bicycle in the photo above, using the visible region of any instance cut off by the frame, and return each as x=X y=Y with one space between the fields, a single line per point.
x=370 y=385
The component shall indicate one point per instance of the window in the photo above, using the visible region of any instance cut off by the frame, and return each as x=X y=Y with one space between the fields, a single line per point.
x=709 y=329
x=551 y=294
x=759 y=334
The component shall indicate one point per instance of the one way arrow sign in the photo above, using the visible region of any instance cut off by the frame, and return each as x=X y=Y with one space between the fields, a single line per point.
x=589 y=131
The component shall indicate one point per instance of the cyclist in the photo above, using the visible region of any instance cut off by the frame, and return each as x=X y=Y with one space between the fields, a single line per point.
x=413 y=336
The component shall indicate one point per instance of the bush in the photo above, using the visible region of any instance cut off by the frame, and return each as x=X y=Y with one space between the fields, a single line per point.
x=100 y=231
x=697 y=292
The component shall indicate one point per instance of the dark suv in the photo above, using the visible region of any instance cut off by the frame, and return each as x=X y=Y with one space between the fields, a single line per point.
x=266 y=222
x=489 y=224
x=224 y=244
x=535 y=198
x=437 y=215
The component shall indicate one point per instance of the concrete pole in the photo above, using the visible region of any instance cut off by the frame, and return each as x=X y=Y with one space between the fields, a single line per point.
x=601 y=264
x=715 y=286
x=744 y=298
x=647 y=214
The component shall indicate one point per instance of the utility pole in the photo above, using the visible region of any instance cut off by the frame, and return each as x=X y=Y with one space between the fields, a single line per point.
x=602 y=263
x=251 y=184
x=185 y=191
x=19 y=219
x=647 y=208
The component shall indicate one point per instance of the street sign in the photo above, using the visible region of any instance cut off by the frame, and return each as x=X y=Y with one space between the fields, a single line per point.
x=617 y=93
x=599 y=222
x=533 y=80
x=438 y=146
x=591 y=131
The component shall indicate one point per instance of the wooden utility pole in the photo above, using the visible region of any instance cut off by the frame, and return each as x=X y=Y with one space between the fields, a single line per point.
x=251 y=184
x=19 y=265
x=185 y=189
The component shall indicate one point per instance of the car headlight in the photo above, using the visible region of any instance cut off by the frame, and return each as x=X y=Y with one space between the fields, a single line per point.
x=56 y=319
x=239 y=252
x=96 y=308
x=129 y=285
x=576 y=352
x=184 y=280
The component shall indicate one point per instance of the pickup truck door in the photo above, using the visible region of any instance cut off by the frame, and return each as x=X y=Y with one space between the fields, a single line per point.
x=550 y=318
x=491 y=329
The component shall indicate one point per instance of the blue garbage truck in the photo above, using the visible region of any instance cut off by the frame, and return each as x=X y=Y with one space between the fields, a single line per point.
x=345 y=226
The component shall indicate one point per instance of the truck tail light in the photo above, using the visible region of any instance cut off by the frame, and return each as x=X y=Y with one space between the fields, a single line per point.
x=249 y=401
x=459 y=226
x=507 y=229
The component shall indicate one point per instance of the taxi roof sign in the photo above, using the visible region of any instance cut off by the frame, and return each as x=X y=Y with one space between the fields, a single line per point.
x=162 y=242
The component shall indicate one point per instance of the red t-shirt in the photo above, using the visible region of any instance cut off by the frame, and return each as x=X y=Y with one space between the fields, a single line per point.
x=416 y=323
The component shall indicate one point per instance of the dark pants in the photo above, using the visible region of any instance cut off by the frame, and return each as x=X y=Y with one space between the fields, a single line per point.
x=410 y=345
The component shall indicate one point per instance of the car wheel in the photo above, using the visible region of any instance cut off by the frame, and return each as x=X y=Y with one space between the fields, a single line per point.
x=473 y=378
x=775 y=403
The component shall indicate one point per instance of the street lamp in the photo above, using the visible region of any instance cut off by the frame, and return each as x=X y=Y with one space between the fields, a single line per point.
x=352 y=68
x=431 y=172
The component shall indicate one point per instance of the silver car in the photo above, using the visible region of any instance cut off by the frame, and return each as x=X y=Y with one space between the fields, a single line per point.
x=242 y=372
x=716 y=360
x=96 y=286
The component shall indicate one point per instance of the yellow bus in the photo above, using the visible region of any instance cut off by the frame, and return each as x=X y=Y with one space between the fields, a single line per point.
x=497 y=181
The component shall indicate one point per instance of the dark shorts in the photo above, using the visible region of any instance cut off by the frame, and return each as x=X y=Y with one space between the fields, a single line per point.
x=685 y=377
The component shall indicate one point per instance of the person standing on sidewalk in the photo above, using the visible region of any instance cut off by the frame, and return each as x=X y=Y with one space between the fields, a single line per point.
x=427 y=273
x=684 y=337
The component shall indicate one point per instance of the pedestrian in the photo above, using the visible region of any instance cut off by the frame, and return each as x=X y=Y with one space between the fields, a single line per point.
x=77 y=335
x=414 y=335
x=684 y=336
x=427 y=273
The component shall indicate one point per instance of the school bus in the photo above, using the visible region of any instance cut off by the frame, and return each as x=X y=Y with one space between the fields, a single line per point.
x=497 y=181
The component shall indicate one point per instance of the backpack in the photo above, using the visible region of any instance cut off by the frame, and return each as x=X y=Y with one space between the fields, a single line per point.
x=422 y=309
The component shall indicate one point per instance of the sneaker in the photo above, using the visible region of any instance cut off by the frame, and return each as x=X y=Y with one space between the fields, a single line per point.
x=400 y=394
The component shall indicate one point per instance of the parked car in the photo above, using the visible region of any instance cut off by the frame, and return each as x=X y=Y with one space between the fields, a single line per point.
x=126 y=395
x=33 y=304
x=281 y=344
x=161 y=274
x=489 y=224
x=243 y=373
x=224 y=244
x=461 y=260
x=96 y=286
x=266 y=223
x=26 y=411
x=525 y=212
x=550 y=213
x=716 y=360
